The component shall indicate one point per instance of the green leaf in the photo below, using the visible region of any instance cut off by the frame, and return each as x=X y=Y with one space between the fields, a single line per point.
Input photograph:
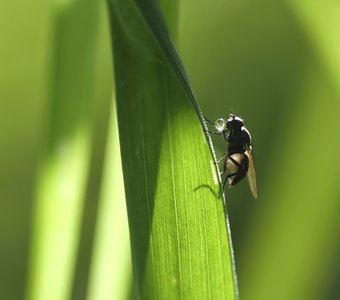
x=110 y=272
x=181 y=246
x=64 y=168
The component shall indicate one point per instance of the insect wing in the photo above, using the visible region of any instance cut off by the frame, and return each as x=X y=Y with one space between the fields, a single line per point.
x=251 y=173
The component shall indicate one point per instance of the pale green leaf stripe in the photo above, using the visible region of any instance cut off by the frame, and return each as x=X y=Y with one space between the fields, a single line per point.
x=179 y=241
x=110 y=271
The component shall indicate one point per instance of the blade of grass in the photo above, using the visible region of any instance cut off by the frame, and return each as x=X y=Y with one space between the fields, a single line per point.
x=180 y=245
x=90 y=245
x=110 y=273
x=24 y=30
x=320 y=22
x=64 y=167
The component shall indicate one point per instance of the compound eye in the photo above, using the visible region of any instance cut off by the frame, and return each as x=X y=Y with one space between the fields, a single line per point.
x=220 y=125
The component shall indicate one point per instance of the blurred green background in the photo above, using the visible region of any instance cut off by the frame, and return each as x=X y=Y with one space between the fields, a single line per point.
x=275 y=63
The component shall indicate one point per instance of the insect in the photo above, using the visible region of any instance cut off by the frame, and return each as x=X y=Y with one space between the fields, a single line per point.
x=238 y=161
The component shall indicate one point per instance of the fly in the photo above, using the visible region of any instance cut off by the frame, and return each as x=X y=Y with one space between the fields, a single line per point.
x=238 y=161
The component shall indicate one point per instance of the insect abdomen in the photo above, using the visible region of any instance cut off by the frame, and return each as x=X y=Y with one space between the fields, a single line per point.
x=237 y=164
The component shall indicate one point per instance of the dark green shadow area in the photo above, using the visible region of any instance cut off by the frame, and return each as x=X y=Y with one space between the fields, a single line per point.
x=72 y=69
x=140 y=134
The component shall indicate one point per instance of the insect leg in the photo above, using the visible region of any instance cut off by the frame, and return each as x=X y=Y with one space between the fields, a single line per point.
x=224 y=164
x=223 y=157
x=211 y=123
x=226 y=178
x=214 y=132
x=224 y=183
x=232 y=174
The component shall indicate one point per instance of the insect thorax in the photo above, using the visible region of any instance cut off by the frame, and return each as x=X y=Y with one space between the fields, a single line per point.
x=237 y=141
